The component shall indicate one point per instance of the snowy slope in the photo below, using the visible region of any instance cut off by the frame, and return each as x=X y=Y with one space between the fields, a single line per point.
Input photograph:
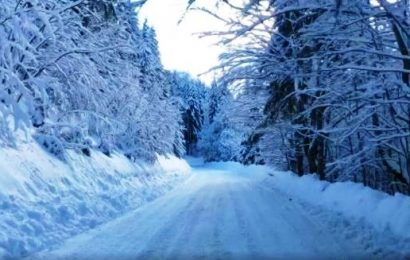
x=43 y=200
x=227 y=211
x=386 y=213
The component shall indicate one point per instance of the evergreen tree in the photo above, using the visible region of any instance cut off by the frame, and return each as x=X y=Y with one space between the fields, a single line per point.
x=85 y=76
x=332 y=78
x=191 y=94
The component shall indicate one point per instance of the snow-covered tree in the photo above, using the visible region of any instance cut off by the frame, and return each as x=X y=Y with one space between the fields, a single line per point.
x=191 y=94
x=83 y=74
x=337 y=77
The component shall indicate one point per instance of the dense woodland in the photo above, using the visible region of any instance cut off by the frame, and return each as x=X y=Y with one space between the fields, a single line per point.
x=314 y=86
x=326 y=87
x=86 y=74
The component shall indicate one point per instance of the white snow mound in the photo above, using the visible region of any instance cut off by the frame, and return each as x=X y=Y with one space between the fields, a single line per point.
x=383 y=211
x=44 y=201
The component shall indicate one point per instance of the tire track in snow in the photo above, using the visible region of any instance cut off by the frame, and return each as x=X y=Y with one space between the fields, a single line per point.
x=349 y=236
x=193 y=227
x=158 y=243
x=222 y=215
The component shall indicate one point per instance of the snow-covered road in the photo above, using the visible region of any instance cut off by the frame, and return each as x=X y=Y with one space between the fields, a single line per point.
x=219 y=214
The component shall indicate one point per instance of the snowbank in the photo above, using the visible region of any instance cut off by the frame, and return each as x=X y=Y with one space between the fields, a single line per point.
x=171 y=164
x=353 y=200
x=43 y=200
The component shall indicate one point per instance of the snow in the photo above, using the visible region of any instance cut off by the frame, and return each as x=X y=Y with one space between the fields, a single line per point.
x=381 y=210
x=172 y=165
x=44 y=201
x=384 y=212
x=219 y=210
x=230 y=211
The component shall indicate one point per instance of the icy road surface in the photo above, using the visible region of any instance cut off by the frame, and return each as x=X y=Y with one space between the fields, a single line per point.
x=221 y=214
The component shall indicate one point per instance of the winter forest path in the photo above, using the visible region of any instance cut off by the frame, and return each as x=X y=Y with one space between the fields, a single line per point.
x=218 y=214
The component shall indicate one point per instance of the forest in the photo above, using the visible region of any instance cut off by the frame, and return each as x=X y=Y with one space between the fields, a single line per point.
x=315 y=87
x=85 y=74
x=322 y=88
x=312 y=86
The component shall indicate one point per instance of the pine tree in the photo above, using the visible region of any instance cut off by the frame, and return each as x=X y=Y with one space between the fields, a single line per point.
x=191 y=94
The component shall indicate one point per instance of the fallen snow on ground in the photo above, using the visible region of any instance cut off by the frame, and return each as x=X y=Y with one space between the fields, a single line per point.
x=44 y=201
x=229 y=211
x=386 y=213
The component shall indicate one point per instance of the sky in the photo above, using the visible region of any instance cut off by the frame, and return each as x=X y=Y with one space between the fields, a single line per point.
x=180 y=49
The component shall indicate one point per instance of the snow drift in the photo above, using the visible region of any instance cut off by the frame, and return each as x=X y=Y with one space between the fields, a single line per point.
x=353 y=200
x=44 y=201
x=381 y=210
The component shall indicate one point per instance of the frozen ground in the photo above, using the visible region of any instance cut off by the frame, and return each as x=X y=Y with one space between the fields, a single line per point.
x=44 y=201
x=227 y=211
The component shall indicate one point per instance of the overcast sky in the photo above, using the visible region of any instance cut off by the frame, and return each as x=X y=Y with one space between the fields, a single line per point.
x=180 y=49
